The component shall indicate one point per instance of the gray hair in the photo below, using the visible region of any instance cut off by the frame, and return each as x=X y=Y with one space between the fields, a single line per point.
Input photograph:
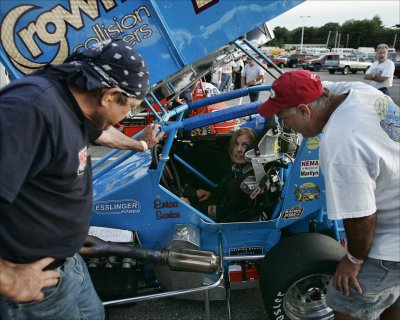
x=382 y=46
x=319 y=103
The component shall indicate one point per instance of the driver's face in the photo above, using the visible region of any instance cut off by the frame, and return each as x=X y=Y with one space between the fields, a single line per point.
x=242 y=144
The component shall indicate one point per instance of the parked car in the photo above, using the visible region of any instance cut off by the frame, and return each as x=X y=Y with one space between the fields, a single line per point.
x=295 y=60
x=281 y=62
x=317 y=64
x=397 y=68
x=351 y=63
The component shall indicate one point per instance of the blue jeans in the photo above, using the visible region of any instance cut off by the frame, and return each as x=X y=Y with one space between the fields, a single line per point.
x=226 y=80
x=73 y=298
x=380 y=281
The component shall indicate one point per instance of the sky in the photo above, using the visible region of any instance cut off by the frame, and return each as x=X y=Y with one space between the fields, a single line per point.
x=324 y=11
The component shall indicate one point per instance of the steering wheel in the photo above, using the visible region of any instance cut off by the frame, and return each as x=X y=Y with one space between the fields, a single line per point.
x=169 y=178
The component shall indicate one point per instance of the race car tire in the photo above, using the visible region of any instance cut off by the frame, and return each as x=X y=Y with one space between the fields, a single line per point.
x=294 y=276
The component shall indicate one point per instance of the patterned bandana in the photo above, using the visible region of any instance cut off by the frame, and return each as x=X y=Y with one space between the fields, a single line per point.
x=108 y=64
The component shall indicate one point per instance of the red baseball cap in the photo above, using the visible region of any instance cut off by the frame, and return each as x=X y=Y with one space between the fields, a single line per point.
x=291 y=89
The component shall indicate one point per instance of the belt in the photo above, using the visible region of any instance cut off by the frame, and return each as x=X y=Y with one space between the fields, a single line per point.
x=55 y=264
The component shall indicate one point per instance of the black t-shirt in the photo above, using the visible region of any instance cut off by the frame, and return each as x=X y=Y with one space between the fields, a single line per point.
x=93 y=132
x=45 y=170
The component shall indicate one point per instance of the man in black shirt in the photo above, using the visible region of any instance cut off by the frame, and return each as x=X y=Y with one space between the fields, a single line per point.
x=46 y=179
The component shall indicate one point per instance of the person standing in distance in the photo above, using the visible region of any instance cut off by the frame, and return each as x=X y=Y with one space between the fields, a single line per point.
x=360 y=159
x=381 y=71
x=46 y=179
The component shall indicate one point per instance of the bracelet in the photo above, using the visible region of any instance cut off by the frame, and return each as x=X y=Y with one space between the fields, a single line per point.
x=353 y=259
x=144 y=144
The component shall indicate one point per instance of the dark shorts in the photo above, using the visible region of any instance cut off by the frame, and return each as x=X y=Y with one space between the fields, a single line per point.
x=380 y=282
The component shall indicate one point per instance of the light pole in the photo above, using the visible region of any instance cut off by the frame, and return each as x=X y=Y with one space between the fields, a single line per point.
x=302 y=33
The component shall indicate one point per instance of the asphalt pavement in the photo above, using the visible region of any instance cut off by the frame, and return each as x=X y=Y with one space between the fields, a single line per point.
x=245 y=304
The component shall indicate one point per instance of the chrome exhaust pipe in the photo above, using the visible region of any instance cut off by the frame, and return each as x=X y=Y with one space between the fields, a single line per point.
x=177 y=260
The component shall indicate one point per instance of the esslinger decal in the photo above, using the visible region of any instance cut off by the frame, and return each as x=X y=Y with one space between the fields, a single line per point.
x=117 y=206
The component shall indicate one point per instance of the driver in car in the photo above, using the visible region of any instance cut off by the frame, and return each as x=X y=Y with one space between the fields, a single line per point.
x=228 y=202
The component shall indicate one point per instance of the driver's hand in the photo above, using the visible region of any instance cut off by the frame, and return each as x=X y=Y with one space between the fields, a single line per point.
x=186 y=200
x=202 y=195
x=152 y=135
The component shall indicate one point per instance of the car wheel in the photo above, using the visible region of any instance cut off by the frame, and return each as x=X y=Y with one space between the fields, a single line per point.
x=332 y=71
x=294 y=65
x=317 y=67
x=294 y=276
x=346 y=70
x=281 y=65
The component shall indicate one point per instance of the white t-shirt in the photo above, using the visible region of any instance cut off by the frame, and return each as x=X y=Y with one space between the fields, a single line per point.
x=228 y=67
x=216 y=75
x=385 y=69
x=360 y=159
x=252 y=72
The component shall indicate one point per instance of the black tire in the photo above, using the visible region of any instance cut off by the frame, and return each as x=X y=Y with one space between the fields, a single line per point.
x=353 y=71
x=294 y=276
x=332 y=71
x=346 y=70
x=281 y=65
x=294 y=65
x=317 y=67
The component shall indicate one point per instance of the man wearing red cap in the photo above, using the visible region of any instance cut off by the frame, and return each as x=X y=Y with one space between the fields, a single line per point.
x=360 y=159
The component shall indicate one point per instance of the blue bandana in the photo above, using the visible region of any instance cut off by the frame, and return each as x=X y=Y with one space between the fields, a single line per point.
x=108 y=64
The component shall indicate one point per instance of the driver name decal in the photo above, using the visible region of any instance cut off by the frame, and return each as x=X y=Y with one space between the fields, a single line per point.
x=169 y=214
x=117 y=206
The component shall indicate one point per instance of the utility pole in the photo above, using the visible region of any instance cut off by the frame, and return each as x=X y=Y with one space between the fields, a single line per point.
x=327 y=41
x=394 y=41
x=336 y=39
x=339 y=40
x=347 y=41
x=302 y=33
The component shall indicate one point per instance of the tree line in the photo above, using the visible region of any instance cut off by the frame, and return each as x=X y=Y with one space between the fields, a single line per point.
x=352 y=34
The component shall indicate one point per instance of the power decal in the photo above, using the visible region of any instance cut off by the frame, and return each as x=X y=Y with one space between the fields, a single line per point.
x=309 y=168
x=130 y=206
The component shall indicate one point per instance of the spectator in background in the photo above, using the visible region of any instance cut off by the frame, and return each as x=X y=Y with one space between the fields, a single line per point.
x=237 y=74
x=216 y=75
x=226 y=77
x=252 y=75
x=381 y=71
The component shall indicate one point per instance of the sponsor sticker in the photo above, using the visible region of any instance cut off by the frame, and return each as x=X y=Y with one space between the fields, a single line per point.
x=117 y=206
x=309 y=169
x=246 y=251
x=307 y=192
x=292 y=213
x=313 y=143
